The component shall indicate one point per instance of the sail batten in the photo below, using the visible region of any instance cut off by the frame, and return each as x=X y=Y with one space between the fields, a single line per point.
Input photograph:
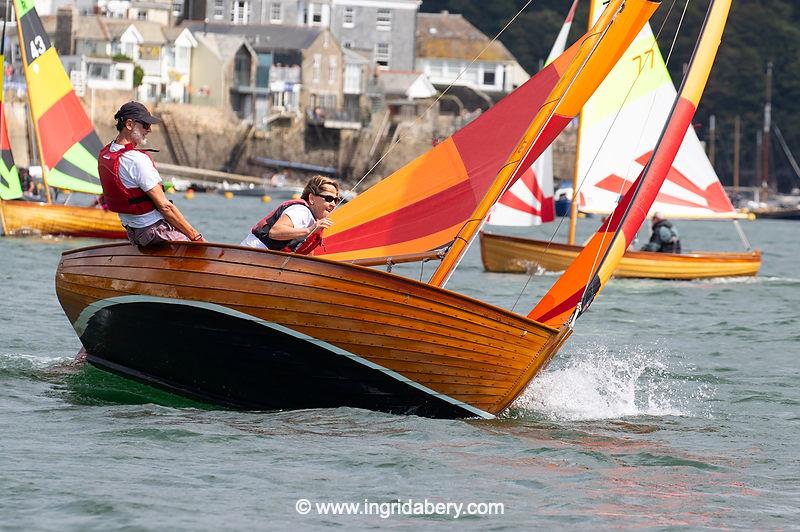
x=68 y=145
x=585 y=278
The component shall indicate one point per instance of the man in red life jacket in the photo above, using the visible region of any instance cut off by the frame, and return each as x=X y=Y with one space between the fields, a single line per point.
x=297 y=225
x=132 y=185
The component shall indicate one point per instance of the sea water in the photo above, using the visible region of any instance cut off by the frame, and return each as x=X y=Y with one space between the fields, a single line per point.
x=674 y=404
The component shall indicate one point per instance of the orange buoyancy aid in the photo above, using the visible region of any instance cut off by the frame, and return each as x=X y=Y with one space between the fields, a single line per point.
x=301 y=246
x=120 y=198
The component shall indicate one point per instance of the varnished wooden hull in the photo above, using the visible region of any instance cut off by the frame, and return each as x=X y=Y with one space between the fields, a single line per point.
x=26 y=217
x=265 y=330
x=514 y=254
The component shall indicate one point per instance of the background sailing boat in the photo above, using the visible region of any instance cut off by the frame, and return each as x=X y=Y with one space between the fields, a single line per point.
x=613 y=146
x=66 y=140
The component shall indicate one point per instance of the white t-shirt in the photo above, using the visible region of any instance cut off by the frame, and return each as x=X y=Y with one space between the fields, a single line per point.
x=137 y=170
x=300 y=215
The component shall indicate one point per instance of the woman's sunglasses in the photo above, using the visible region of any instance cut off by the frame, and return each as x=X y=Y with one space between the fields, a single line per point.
x=329 y=198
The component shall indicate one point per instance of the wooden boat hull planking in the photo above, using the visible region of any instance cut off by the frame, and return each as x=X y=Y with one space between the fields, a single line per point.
x=25 y=218
x=518 y=255
x=265 y=330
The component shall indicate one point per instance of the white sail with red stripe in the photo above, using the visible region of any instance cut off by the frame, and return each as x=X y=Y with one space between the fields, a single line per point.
x=529 y=201
x=620 y=125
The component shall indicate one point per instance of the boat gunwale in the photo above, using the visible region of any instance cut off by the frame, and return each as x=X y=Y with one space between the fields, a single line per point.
x=469 y=301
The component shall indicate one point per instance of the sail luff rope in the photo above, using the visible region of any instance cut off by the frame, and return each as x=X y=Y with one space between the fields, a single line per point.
x=602 y=143
x=443 y=93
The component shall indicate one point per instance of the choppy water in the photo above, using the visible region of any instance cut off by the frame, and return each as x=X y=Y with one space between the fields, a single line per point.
x=674 y=404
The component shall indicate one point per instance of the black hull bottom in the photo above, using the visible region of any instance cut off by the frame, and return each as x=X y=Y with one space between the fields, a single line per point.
x=242 y=363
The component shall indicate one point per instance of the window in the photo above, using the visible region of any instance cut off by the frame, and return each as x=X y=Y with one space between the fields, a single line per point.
x=489 y=77
x=219 y=9
x=347 y=44
x=383 y=53
x=240 y=14
x=315 y=14
x=383 y=21
x=276 y=13
x=99 y=71
x=349 y=17
x=332 y=64
x=121 y=75
x=315 y=72
x=177 y=7
x=150 y=53
x=141 y=15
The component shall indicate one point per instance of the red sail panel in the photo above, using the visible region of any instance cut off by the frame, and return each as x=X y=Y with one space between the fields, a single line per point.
x=55 y=138
x=423 y=205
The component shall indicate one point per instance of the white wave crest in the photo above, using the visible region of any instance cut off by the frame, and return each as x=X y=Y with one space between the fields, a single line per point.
x=596 y=385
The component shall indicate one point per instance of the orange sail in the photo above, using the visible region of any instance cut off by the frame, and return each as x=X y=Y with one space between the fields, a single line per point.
x=68 y=144
x=585 y=278
x=425 y=204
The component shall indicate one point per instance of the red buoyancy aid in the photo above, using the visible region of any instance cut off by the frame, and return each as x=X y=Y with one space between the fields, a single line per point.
x=301 y=246
x=120 y=198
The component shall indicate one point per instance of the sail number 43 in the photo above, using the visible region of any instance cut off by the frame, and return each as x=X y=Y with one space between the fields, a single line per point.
x=37 y=47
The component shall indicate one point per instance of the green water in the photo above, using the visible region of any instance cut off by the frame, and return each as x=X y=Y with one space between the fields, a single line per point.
x=673 y=405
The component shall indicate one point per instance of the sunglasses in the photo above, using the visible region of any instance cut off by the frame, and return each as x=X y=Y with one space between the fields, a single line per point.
x=144 y=125
x=329 y=198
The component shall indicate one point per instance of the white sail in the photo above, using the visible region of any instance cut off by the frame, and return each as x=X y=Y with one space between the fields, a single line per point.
x=619 y=127
x=529 y=201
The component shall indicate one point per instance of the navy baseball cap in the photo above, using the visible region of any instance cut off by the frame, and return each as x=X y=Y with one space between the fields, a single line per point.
x=136 y=111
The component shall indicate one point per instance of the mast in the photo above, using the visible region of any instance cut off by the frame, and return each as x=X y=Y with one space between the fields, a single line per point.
x=573 y=205
x=737 y=138
x=766 y=183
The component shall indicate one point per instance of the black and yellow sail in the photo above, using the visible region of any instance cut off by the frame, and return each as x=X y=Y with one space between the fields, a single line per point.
x=68 y=144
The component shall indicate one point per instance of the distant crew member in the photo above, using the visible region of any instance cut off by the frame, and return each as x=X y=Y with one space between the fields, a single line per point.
x=297 y=225
x=132 y=185
x=663 y=238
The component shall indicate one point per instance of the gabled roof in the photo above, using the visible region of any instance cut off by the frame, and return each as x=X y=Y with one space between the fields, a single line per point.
x=85 y=28
x=450 y=36
x=354 y=57
x=222 y=46
x=406 y=83
x=263 y=37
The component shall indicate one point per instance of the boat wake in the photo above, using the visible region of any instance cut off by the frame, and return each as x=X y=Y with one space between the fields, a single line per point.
x=595 y=385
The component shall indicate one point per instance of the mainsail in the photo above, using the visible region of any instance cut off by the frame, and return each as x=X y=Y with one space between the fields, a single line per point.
x=529 y=201
x=427 y=203
x=68 y=144
x=585 y=278
x=615 y=142
x=10 y=187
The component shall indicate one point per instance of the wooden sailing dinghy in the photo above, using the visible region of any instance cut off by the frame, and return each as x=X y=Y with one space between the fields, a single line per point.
x=613 y=143
x=262 y=329
x=67 y=143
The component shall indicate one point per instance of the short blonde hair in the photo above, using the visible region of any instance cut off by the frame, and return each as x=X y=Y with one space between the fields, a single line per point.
x=315 y=184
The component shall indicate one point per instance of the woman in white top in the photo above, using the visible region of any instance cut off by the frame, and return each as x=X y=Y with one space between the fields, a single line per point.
x=297 y=225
